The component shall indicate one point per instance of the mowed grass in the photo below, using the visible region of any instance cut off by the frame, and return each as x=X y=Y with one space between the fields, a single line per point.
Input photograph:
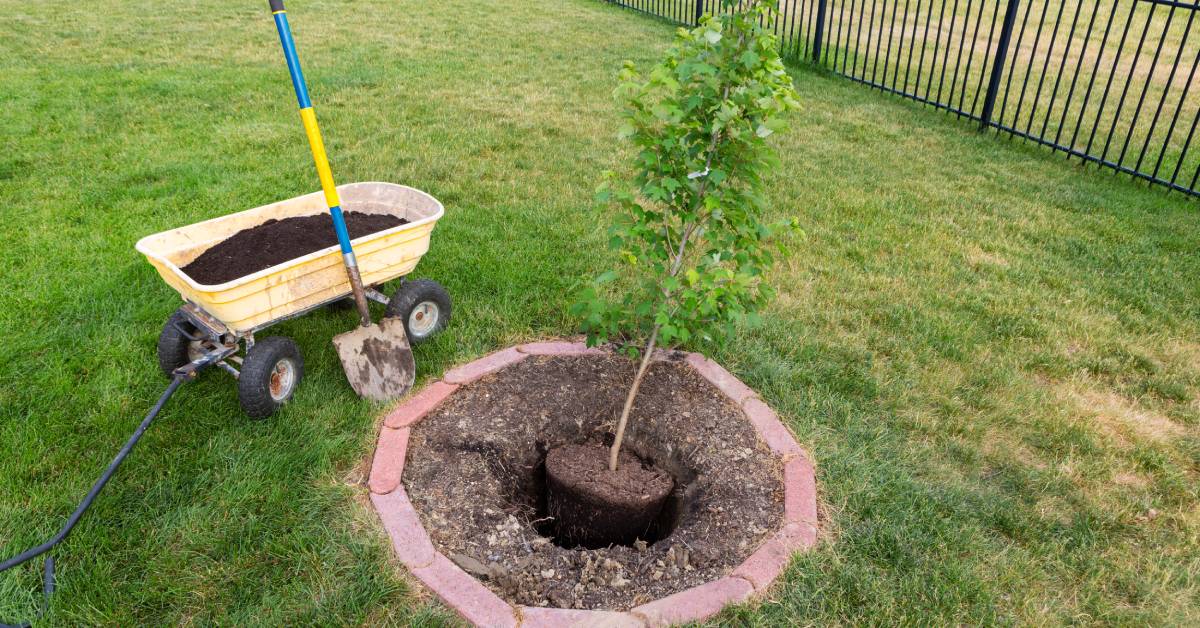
x=992 y=354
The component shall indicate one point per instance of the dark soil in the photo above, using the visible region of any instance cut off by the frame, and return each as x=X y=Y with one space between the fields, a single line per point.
x=476 y=474
x=594 y=507
x=278 y=241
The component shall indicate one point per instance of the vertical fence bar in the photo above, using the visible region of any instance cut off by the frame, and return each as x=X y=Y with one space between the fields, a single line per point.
x=962 y=42
x=912 y=43
x=989 y=101
x=784 y=11
x=987 y=55
x=1037 y=96
x=1191 y=132
x=806 y=26
x=1037 y=40
x=857 y=36
x=785 y=40
x=805 y=30
x=946 y=50
x=1079 y=68
x=821 y=6
x=1125 y=88
x=1167 y=90
x=924 y=46
x=937 y=42
x=1175 y=118
x=837 y=41
x=1111 y=75
x=962 y=94
x=867 y=49
x=904 y=21
x=1146 y=87
x=1012 y=67
x=1066 y=56
x=887 y=55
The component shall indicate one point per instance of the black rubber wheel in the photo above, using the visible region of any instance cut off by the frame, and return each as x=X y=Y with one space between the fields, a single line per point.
x=174 y=347
x=270 y=374
x=424 y=306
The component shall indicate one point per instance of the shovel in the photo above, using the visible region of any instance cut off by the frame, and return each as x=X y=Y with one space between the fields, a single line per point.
x=377 y=358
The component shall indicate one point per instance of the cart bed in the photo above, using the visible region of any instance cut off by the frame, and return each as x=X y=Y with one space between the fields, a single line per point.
x=256 y=300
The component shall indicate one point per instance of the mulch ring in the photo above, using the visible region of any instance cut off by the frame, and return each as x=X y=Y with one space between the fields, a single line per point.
x=476 y=478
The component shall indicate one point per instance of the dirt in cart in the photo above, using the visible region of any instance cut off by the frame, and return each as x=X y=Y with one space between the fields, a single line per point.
x=476 y=473
x=277 y=241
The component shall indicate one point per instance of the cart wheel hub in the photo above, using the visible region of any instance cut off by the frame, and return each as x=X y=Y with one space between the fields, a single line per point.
x=424 y=319
x=283 y=380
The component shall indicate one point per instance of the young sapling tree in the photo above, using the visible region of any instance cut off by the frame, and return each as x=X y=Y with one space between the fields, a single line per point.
x=690 y=226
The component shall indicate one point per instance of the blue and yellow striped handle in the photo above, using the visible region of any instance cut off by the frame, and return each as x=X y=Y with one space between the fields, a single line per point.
x=309 y=118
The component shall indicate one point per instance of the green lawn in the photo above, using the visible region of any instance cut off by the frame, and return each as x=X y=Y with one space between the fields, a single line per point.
x=992 y=354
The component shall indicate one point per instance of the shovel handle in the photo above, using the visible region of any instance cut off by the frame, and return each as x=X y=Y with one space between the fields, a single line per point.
x=308 y=118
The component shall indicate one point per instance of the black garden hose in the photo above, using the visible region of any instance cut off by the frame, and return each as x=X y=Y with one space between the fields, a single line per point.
x=180 y=376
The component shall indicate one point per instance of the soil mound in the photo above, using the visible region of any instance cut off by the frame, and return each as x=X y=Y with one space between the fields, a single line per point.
x=277 y=241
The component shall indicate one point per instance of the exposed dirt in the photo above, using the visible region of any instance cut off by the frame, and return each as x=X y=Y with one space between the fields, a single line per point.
x=277 y=241
x=595 y=507
x=475 y=473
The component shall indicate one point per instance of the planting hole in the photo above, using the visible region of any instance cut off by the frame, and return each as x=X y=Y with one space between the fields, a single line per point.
x=476 y=472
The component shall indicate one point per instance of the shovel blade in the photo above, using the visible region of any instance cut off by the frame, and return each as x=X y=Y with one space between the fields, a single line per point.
x=378 y=360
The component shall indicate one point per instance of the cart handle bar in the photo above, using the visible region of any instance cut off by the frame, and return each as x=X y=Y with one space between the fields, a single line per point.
x=181 y=375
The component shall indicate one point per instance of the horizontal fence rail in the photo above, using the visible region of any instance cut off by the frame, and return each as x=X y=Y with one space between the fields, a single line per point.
x=1111 y=82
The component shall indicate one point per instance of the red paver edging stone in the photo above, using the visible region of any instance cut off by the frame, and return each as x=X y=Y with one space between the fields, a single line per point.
x=482 y=607
x=416 y=407
x=799 y=492
x=472 y=371
x=772 y=430
x=475 y=602
x=559 y=348
x=696 y=603
x=388 y=463
x=537 y=617
x=767 y=562
x=403 y=526
x=798 y=537
x=719 y=377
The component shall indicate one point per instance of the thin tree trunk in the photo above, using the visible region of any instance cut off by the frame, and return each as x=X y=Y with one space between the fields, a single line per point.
x=633 y=390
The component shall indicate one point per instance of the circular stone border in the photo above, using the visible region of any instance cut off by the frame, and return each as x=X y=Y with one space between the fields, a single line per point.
x=479 y=605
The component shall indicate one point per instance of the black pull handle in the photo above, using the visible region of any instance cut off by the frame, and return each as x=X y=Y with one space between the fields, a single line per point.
x=276 y=6
x=48 y=584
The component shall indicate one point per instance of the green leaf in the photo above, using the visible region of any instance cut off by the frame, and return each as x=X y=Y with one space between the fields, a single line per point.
x=696 y=121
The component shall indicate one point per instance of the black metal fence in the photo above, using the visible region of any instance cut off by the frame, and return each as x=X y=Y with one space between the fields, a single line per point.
x=1110 y=82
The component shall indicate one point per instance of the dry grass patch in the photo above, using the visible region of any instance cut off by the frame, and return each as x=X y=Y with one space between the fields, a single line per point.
x=1130 y=480
x=1116 y=416
x=977 y=257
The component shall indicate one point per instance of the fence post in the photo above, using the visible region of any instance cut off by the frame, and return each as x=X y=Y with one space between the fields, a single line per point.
x=817 y=39
x=989 y=100
x=699 y=11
